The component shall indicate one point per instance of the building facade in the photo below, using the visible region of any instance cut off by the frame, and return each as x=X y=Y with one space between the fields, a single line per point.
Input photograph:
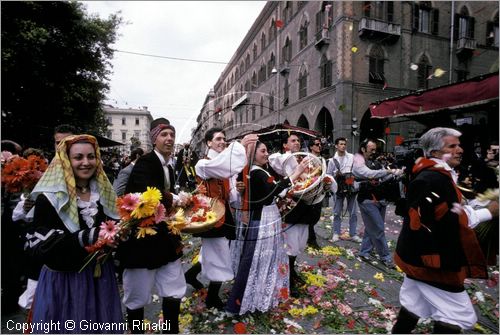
x=126 y=125
x=319 y=65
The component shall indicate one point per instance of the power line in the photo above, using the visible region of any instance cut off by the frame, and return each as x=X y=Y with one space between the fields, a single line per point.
x=173 y=58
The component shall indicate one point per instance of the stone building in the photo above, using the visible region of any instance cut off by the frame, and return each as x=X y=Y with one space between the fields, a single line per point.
x=319 y=65
x=127 y=123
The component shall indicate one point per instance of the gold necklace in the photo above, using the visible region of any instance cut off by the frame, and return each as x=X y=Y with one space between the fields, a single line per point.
x=83 y=189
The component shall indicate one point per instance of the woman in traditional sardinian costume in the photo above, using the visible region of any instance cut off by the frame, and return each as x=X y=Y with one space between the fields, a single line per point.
x=262 y=279
x=73 y=198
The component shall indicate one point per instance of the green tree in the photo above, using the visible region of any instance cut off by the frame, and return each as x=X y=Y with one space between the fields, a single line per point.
x=55 y=68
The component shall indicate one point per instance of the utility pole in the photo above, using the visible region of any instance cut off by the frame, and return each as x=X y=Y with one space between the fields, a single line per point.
x=450 y=72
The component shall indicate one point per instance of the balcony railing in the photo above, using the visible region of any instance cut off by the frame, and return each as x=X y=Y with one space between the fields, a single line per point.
x=466 y=43
x=322 y=38
x=373 y=28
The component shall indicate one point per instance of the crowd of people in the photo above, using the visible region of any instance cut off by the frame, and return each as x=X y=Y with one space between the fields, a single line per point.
x=256 y=243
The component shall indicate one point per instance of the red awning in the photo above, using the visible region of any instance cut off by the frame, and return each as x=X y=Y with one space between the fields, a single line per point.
x=475 y=91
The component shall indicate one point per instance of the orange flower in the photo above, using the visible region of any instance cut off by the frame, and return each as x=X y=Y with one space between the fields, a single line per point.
x=284 y=293
x=240 y=328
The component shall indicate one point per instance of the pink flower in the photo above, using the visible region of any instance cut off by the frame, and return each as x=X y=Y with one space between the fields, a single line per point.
x=108 y=230
x=160 y=213
x=130 y=201
x=344 y=309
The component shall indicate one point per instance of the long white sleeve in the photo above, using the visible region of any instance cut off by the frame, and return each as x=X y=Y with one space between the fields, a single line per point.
x=360 y=169
x=282 y=165
x=229 y=162
x=476 y=212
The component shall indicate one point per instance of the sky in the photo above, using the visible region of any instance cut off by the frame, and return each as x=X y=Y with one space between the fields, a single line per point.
x=198 y=30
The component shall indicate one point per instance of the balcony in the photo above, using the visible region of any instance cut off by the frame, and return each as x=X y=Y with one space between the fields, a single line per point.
x=378 y=29
x=322 y=38
x=466 y=44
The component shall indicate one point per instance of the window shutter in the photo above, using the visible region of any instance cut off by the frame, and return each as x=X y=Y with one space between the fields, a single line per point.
x=390 y=11
x=415 y=17
x=319 y=21
x=472 y=22
x=456 y=26
x=435 y=21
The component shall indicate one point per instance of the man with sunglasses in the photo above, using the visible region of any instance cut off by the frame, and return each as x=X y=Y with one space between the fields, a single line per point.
x=315 y=147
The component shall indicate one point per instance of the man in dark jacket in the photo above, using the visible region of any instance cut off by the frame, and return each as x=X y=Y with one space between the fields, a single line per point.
x=153 y=260
x=437 y=248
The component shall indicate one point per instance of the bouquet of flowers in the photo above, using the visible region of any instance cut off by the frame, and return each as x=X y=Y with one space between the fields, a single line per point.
x=195 y=213
x=22 y=174
x=139 y=212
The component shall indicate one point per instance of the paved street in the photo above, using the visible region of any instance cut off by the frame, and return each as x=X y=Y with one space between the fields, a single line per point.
x=384 y=289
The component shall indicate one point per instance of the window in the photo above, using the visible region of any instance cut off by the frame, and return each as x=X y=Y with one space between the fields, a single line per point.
x=376 y=59
x=262 y=73
x=136 y=121
x=271 y=65
x=286 y=92
x=325 y=72
x=380 y=10
x=324 y=18
x=124 y=121
x=424 y=70
x=109 y=134
x=254 y=80
x=261 y=106
x=237 y=76
x=262 y=42
x=254 y=52
x=124 y=135
x=110 y=121
x=464 y=24
x=425 y=18
x=303 y=35
x=253 y=112
x=247 y=62
x=303 y=83
x=492 y=32
x=242 y=66
x=272 y=31
x=247 y=86
x=287 y=12
x=287 y=51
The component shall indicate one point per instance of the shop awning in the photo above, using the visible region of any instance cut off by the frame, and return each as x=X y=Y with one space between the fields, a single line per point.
x=475 y=91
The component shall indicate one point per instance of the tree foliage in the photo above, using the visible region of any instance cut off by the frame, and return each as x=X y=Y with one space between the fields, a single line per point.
x=55 y=68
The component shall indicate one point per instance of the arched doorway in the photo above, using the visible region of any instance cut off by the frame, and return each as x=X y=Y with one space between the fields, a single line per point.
x=303 y=122
x=324 y=122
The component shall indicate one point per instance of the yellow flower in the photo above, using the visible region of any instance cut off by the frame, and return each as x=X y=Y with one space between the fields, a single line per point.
x=211 y=217
x=143 y=231
x=398 y=269
x=379 y=276
x=143 y=210
x=179 y=216
x=151 y=196
x=315 y=279
x=185 y=320
x=309 y=310
x=331 y=251
x=178 y=222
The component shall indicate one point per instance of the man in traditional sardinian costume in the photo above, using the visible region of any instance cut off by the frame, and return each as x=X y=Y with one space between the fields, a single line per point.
x=437 y=248
x=220 y=165
x=297 y=221
x=153 y=260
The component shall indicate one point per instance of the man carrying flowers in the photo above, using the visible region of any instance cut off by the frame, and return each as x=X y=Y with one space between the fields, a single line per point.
x=152 y=258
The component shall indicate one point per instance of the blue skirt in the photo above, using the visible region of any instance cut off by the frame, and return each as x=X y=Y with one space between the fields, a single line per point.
x=72 y=302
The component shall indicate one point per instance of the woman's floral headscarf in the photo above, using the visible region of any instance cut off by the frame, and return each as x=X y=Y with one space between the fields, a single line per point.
x=59 y=186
